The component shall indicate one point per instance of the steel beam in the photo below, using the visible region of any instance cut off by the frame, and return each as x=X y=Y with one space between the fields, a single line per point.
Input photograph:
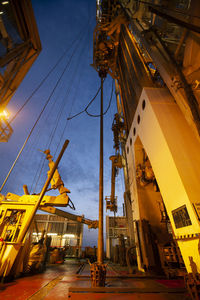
x=175 y=20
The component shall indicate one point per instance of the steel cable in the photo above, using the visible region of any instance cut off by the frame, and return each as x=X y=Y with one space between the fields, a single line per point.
x=45 y=78
x=96 y=116
x=36 y=122
x=61 y=78
x=63 y=104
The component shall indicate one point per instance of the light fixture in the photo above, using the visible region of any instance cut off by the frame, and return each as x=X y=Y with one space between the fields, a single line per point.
x=54 y=234
x=1 y=12
x=5 y=2
x=39 y=233
x=68 y=235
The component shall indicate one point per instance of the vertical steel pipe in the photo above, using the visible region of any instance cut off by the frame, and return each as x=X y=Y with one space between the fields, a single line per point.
x=100 y=250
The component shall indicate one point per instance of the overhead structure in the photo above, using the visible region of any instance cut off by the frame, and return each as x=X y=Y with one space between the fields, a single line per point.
x=153 y=52
x=19 y=47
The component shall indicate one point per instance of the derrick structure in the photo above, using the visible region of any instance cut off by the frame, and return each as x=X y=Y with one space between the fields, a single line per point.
x=154 y=59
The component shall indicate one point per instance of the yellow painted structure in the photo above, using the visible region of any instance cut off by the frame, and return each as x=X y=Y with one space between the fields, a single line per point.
x=173 y=151
x=19 y=209
x=17 y=214
x=20 y=46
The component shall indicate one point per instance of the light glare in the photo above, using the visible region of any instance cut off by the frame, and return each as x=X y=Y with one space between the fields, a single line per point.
x=52 y=234
x=4 y=114
x=69 y=235
x=39 y=233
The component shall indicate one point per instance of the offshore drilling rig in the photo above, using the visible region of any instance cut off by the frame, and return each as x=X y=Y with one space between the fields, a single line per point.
x=151 y=50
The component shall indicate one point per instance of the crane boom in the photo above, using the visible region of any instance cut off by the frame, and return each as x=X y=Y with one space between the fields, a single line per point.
x=65 y=214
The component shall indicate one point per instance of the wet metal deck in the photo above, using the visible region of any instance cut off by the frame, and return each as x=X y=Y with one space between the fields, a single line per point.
x=61 y=281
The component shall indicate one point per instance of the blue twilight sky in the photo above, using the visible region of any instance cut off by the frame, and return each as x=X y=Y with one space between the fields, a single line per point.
x=59 y=23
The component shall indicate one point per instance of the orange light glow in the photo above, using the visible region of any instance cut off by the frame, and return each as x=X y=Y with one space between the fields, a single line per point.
x=4 y=114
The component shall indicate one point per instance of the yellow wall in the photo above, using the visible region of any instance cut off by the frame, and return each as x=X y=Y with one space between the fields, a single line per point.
x=174 y=153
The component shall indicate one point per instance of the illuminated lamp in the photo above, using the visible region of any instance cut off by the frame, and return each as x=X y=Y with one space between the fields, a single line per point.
x=69 y=235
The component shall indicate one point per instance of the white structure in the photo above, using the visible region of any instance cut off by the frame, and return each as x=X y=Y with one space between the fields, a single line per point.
x=115 y=226
x=64 y=232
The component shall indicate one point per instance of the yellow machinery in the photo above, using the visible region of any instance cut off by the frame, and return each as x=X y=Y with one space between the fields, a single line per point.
x=17 y=213
x=36 y=256
x=58 y=212
x=16 y=217
x=111 y=202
